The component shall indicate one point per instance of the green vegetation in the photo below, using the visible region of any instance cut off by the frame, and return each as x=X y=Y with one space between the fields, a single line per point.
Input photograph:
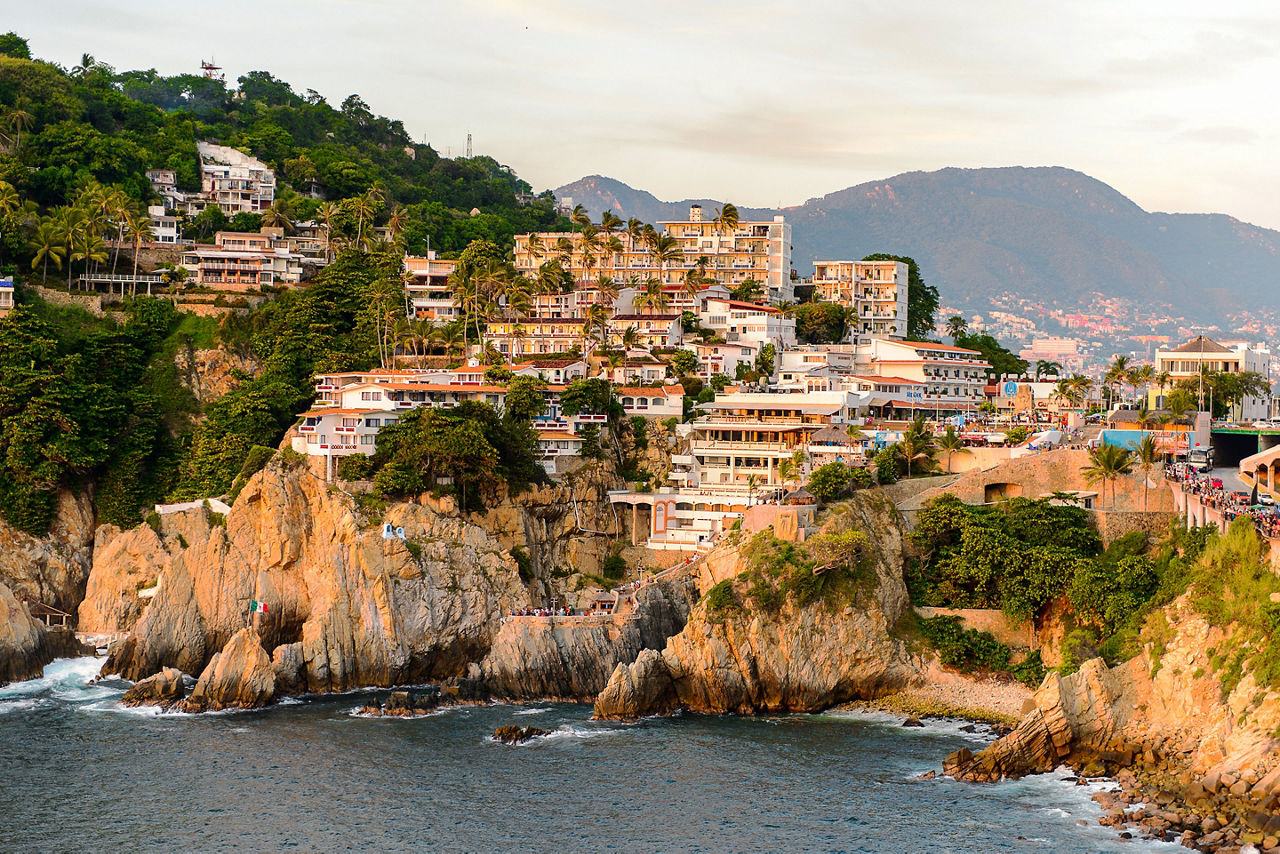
x=821 y=323
x=524 y=563
x=827 y=568
x=828 y=482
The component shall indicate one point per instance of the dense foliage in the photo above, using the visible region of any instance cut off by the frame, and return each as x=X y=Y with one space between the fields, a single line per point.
x=83 y=399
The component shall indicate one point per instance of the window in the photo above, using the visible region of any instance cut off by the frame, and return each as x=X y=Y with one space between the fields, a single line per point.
x=371 y=395
x=372 y=422
x=366 y=440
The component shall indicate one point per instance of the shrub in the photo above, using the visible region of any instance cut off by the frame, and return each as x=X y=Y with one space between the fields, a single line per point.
x=254 y=462
x=859 y=477
x=355 y=467
x=963 y=648
x=153 y=520
x=614 y=568
x=721 y=601
x=1030 y=671
x=829 y=482
x=414 y=549
x=886 y=463
x=524 y=563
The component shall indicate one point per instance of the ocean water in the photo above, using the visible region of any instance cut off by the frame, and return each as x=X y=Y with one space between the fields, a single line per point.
x=82 y=773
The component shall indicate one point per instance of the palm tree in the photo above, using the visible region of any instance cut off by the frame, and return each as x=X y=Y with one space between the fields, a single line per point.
x=664 y=249
x=90 y=249
x=1116 y=374
x=140 y=231
x=950 y=443
x=19 y=120
x=50 y=245
x=396 y=222
x=654 y=297
x=9 y=201
x=1148 y=456
x=1140 y=377
x=364 y=207
x=1045 y=368
x=87 y=64
x=1162 y=380
x=956 y=326
x=328 y=211
x=1107 y=463
x=276 y=216
x=752 y=482
x=726 y=218
x=918 y=445
x=610 y=222
x=385 y=295
x=580 y=217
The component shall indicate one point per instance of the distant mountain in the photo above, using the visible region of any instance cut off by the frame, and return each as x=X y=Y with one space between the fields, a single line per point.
x=1049 y=234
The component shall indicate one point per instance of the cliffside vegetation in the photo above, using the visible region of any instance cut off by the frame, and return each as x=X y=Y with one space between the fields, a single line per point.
x=828 y=567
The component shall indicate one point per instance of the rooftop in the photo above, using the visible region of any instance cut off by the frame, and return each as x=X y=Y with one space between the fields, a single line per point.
x=1201 y=344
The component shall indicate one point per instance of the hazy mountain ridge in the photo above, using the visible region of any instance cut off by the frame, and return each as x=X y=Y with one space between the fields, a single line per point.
x=1048 y=233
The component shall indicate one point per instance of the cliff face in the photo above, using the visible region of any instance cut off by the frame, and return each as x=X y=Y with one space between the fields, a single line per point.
x=211 y=373
x=1159 y=704
x=572 y=660
x=51 y=569
x=25 y=645
x=345 y=607
x=804 y=658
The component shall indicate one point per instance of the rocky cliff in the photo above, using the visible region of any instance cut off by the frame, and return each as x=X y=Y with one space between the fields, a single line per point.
x=806 y=657
x=346 y=608
x=1174 y=700
x=51 y=570
x=573 y=659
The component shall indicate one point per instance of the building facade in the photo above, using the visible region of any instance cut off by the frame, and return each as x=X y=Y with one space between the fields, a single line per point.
x=875 y=290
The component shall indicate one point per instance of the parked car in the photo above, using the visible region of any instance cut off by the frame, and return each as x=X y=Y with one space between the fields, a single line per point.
x=1265 y=499
x=1215 y=483
x=1241 y=494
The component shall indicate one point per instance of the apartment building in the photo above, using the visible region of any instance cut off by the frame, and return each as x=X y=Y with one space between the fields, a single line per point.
x=875 y=290
x=952 y=379
x=241 y=261
x=164 y=228
x=426 y=283
x=1186 y=361
x=6 y=296
x=747 y=322
x=554 y=371
x=233 y=180
x=650 y=330
x=723 y=358
x=664 y=402
x=637 y=367
x=522 y=337
x=708 y=250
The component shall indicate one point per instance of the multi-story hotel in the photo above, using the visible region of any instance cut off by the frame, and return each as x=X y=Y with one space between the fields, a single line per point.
x=242 y=261
x=951 y=379
x=875 y=290
x=1204 y=354
x=726 y=256
x=426 y=281
x=234 y=181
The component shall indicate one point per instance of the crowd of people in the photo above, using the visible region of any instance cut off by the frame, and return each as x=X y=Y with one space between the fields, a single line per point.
x=1213 y=494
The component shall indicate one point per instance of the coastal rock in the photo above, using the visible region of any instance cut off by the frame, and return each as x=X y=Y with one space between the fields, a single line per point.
x=160 y=689
x=516 y=735
x=240 y=676
x=362 y=609
x=51 y=569
x=572 y=659
x=212 y=373
x=26 y=646
x=803 y=658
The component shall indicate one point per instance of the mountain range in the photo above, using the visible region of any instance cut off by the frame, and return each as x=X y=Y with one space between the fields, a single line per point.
x=1048 y=234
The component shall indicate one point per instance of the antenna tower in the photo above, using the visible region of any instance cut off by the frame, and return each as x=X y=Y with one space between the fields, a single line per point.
x=468 y=145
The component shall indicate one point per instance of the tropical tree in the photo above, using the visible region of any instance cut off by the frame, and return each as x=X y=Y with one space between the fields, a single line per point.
x=956 y=327
x=50 y=246
x=276 y=216
x=950 y=443
x=1148 y=456
x=1045 y=368
x=1117 y=373
x=328 y=213
x=918 y=447
x=726 y=218
x=9 y=202
x=140 y=232
x=664 y=249
x=19 y=120
x=1106 y=464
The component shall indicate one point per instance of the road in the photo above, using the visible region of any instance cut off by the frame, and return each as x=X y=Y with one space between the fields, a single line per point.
x=1231 y=481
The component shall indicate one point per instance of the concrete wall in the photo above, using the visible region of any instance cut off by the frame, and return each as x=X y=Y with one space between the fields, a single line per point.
x=989 y=620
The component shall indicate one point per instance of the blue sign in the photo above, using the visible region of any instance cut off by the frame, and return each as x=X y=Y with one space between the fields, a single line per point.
x=1010 y=388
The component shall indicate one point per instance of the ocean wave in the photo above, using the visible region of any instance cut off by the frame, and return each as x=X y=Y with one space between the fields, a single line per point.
x=65 y=678
x=531 y=712
x=564 y=732
x=977 y=732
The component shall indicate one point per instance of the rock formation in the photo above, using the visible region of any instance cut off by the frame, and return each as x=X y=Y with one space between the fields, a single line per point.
x=240 y=676
x=211 y=373
x=51 y=569
x=346 y=608
x=573 y=659
x=161 y=689
x=26 y=646
x=1169 y=703
x=804 y=658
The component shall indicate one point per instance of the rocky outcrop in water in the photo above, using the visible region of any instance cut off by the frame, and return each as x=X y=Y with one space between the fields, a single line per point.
x=346 y=608
x=238 y=677
x=161 y=689
x=572 y=658
x=802 y=658
x=26 y=646
x=517 y=735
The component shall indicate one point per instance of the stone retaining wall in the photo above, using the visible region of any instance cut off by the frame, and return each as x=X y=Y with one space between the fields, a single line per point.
x=991 y=620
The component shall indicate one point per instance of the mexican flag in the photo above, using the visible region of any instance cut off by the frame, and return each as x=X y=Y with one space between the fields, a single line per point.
x=256 y=607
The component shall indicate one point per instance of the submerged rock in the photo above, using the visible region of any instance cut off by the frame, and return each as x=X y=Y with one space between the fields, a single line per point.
x=912 y=722
x=516 y=735
x=160 y=689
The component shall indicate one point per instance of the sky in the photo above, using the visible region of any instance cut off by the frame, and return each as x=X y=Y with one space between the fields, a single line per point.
x=764 y=104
